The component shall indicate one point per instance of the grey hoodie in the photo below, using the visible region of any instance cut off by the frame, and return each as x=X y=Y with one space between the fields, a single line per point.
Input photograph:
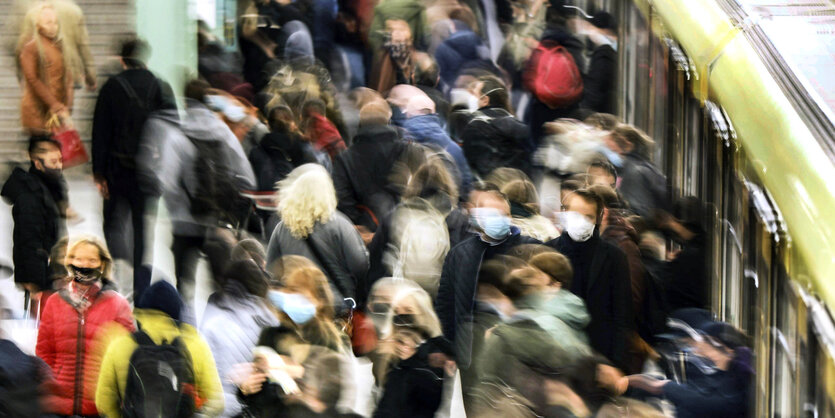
x=166 y=160
x=562 y=315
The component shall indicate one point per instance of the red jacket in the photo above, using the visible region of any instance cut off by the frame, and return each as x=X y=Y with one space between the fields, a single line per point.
x=67 y=344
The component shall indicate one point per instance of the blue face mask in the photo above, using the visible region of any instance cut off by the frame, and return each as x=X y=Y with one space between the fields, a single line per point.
x=612 y=156
x=492 y=222
x=299 y=308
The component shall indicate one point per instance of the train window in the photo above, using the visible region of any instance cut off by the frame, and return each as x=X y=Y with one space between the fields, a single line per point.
x=786 y=361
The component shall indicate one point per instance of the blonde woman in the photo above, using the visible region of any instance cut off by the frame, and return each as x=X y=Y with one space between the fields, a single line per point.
x=47 y=78
x=312 y=227
x=72 y=322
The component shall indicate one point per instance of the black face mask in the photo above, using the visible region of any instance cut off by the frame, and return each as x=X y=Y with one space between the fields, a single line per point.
x=53 y=173
x=84 y=275
x=403 y=320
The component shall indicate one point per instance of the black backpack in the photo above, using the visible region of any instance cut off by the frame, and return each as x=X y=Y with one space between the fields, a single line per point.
x=493 y=147
x=21 y=377
x=216 y=196
x=126 y=144
x=160 y=380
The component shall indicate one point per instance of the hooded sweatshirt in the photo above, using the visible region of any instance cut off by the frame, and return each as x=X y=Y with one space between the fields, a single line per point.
x=167 y=157
x=563 y=315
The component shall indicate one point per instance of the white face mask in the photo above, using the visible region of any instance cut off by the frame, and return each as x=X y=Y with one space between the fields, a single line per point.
x=463 y=96
x=577 y=226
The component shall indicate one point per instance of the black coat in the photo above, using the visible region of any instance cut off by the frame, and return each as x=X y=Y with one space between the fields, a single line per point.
x=601 y=279
x=37 y=224
x=599 y=81
x=276 y=156
x=685 y=278
x=118 y=122
x=361 y=174
x=493 y=138
x=414 y=388
x=457 y=291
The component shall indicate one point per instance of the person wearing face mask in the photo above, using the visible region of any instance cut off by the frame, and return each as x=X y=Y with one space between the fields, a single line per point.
x=72 y=328
x=454 y=304
x=36 y=196
x=123 y=106
x=601 y=276
x=494 y=137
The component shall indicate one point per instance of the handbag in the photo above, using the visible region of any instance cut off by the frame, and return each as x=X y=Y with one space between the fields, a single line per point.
x=72 y=149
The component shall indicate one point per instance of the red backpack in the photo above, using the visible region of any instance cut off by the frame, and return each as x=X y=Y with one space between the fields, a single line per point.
x=552 y=76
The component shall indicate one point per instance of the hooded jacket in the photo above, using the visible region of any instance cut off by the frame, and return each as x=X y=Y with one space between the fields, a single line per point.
x=167 y=157
x=563 y=316
x=426 y=129
x=413 y=12
x=231 y=324
x=37 y=225
x=159 y=326
x=71 y=342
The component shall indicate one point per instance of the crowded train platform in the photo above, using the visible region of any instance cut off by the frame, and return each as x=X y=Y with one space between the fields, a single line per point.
x=417 y=208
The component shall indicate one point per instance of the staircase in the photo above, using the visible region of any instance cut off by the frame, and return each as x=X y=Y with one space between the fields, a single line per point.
x=107 y=21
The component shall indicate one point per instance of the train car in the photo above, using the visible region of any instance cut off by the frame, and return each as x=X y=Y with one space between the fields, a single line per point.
x=741 y=109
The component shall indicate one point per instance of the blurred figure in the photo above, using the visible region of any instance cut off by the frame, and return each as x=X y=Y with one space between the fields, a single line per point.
x=362 y=173
x=25 y=384
x=686 y=275
x=122 y=108
x=490 y=218
x=234 y=318
x=72 y=322
x=602 y=173
x=494 y=138
x=462 y=50
x=319 y=130
x=541 y=294
x=75 y=41
x=132 y=380
x=413 y=240
x=722 y=389
x=394 y=60
x=312 y=227
x=425 y=127
x=414 y=385
x=601 y=276
x=280 y=151
x=599 y=86
x=37 y=197
x=47 y=79
x=524 y=203
x=642 y=184
x=199 y=168
x=426 y=77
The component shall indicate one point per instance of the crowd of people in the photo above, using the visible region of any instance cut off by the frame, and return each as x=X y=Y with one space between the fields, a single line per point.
x=437 y=188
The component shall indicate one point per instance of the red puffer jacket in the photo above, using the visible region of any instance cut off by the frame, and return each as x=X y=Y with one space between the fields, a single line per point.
x=67 y=343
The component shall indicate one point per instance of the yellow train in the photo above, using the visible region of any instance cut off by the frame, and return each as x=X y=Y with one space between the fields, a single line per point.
x=741 y=127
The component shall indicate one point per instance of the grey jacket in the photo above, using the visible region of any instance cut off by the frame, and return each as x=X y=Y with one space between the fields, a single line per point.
x=232 y=323
x=166 y=160
x=337 y=239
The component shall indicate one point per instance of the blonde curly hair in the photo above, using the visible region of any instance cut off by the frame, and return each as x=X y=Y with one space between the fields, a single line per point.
x=306 y=196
